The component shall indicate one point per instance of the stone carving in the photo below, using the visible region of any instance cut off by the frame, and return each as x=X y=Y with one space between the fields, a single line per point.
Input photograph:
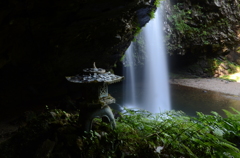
x=96 y=81
x=87 y=116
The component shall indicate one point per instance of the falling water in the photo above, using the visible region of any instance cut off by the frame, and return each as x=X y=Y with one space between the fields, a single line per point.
x=155 y=87
x=130 y=89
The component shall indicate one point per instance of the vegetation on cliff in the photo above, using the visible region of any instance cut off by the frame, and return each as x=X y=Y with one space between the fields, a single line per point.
x=202 y=27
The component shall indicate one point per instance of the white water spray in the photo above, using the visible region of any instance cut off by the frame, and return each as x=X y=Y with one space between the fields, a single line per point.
x=130 y=87
x=155 y=86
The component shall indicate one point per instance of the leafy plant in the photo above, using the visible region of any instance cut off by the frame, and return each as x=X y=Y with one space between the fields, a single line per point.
x=152 y=14
x=157 y=4
x=137 y=29
x=179 y=135
x=172 y=134
x=138 y=133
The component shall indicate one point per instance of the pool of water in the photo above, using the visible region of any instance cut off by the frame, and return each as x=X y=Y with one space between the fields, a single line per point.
x=187 y=99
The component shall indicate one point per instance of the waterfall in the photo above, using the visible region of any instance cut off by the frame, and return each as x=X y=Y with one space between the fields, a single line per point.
x=156 y=86
x=155 y=93
x=129 y=88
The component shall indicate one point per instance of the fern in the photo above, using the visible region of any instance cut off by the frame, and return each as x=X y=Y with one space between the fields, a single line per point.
x=140 y=133
x=189 y=151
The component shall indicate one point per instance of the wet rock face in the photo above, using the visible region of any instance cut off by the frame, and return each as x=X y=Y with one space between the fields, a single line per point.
x=202 y=27
x=43 y=41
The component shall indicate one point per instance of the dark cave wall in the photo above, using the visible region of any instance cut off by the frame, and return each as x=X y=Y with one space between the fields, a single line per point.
x=43 y=41
x=38 y=31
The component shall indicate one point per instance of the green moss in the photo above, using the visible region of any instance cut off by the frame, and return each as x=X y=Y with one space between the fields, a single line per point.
x=157 y=3
x=122 y=58
x=186 y=24
x=152 y=14
x=137 y=30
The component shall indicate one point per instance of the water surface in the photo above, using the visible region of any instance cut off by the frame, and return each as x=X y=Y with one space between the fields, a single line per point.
x=187 y=99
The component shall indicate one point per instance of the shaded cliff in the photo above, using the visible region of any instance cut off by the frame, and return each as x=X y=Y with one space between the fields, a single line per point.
x=202 y=26
x=43 y=41
x=199 y=30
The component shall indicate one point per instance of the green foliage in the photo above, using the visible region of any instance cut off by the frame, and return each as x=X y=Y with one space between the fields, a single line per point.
x=171 y=134
x=181 y=18
x=157 y=4
x=152 y=14
x=138 y=134
x=122 y=58
x=177 y=134
x=193 y=25
x=215 y=63
x=231 y=68
x=137 y=30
